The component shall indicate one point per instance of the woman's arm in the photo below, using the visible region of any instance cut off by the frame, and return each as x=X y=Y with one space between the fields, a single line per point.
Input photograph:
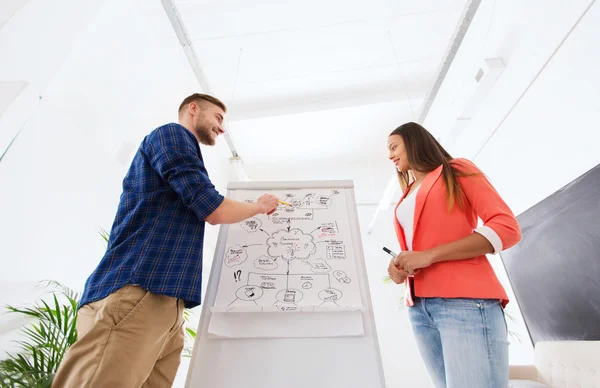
x=465 y=248
x=500 y=230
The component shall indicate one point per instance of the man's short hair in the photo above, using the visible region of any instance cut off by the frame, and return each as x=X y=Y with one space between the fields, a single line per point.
x=199 y=98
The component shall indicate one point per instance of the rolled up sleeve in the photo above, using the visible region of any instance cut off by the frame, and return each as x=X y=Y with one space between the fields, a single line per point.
x=174 y=156
x=491 y=236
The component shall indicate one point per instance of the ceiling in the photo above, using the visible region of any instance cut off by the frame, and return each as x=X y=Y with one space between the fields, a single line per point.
x=324 y=80
x=9 y=8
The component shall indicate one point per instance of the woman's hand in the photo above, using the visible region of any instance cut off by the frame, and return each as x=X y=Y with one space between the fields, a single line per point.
x=398 y=275
x=412 y=261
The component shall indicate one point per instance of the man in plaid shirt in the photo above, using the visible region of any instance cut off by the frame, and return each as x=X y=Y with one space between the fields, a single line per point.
x=130 y=323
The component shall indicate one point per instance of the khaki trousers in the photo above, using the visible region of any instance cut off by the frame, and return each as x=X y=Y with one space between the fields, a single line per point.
x=132 y=338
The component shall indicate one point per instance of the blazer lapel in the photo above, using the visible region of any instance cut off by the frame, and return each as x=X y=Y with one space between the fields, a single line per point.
x=423 y=192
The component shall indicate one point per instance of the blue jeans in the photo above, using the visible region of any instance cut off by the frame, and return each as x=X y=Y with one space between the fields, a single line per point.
x=463 y=342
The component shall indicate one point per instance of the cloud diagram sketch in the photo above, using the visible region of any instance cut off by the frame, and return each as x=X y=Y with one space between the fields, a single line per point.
x=299 y=258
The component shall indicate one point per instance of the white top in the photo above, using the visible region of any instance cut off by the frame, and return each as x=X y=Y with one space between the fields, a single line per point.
x=406 y=217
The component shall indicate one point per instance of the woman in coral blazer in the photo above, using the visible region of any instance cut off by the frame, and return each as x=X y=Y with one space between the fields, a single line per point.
x=456 y=302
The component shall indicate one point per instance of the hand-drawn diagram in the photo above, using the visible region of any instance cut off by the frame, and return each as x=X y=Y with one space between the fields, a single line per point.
x=299 y=258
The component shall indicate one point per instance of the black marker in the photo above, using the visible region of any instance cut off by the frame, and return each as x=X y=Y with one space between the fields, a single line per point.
x=390 y=252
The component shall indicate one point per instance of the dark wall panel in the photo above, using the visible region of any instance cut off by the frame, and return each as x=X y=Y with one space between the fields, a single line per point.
x=555 y=269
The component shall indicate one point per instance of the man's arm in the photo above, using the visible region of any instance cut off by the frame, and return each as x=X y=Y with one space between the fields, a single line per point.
x=230 y=211
x=174 y=157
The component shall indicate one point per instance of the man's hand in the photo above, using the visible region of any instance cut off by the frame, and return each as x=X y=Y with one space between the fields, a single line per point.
x=412 y=261
x=267 y=204
x=396 y=274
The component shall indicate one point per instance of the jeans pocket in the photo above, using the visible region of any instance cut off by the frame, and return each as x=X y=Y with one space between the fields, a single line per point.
x=461 y=302
x=469 y=302
x=130 y=300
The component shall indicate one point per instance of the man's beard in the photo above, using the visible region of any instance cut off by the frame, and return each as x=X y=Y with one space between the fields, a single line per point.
x=204 y=133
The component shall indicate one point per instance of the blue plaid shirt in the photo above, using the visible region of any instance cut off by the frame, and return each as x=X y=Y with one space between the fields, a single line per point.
x=157 y=236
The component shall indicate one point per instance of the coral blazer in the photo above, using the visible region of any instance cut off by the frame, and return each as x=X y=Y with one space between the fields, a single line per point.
x=434 y=225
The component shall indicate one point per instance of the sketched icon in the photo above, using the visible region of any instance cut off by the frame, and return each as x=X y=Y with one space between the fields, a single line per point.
x=341 y=277
x=289 y=297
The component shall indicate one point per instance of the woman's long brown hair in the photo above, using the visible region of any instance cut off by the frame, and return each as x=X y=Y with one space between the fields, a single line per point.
x=425 y=154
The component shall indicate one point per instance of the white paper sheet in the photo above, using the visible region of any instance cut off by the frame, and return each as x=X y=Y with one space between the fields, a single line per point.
x=299 y=258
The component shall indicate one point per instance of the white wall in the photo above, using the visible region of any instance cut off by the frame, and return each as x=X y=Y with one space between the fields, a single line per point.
x=552 y=132
x=540 y=127
x=35 y=58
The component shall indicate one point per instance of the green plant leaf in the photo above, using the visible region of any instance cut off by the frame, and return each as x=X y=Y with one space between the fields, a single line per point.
x=57 y=312
x=104 y=234
x=191 y=332
x=45 y=340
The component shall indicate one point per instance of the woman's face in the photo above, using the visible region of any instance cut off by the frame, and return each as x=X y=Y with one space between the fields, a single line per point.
x=397 y=153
